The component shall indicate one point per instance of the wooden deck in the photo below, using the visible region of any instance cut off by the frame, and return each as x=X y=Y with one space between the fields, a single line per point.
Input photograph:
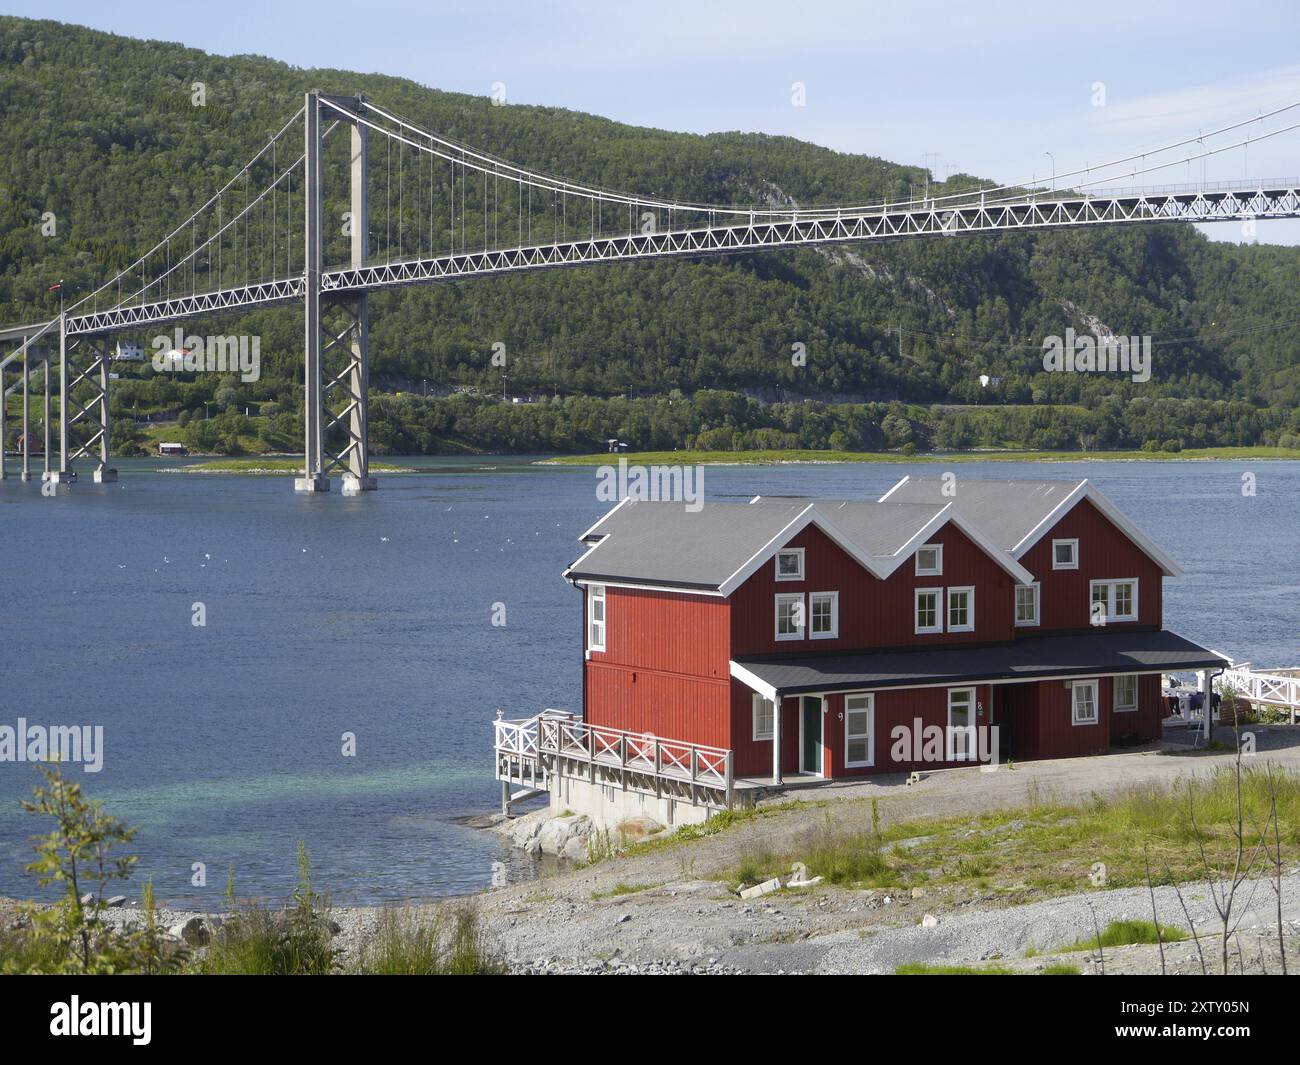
x=531 y=751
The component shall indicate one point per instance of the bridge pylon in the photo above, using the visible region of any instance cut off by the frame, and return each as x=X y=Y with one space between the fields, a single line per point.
x=83 y=400
x=336 y=403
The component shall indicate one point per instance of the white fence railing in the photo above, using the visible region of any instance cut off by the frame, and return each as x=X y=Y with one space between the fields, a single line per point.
x=1277 y=689
x=555 y=733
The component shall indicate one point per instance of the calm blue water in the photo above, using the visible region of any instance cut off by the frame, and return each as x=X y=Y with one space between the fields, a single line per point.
x=373 y=615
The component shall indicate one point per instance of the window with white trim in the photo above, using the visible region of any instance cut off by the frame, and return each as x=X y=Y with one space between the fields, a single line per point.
x=1083 y=702
x=789 y=564
x=596 y=617
x=1115 y=600
x=823 y=615
x=928 y=618
x=929 y=560
x=1126 y=692
x=764 y=717
x=789 y=617
x=1065 y=554
x=961 y=609
x=1027 y=604
x=859 y=731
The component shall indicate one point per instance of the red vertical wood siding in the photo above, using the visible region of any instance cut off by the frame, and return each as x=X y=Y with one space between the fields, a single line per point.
x=1143 y=724
x=665 y=667
x=1058 y=736
x=1105 y=553
x=669 y=631
x=873 y=613
x=693 y=709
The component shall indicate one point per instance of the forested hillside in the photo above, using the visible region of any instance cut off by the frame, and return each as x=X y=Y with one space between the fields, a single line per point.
x=98 y=129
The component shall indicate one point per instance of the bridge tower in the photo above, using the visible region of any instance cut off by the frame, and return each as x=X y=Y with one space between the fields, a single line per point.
x=338 y=324
x=83 y=361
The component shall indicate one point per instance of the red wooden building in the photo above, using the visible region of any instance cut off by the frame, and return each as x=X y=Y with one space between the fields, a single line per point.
x=832 y=639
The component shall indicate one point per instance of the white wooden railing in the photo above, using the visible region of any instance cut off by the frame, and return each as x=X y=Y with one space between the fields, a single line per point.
x=1277 y=689
x=526 y=748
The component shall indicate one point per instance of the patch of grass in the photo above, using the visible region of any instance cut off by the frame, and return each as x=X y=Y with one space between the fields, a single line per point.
x=259 y=942
x=755 y=867
x=23 y=952
x=849 y=859
x=1047 y=848
x=622 y=889
x=919 y=968
x=1125 y=933
x=446 y=945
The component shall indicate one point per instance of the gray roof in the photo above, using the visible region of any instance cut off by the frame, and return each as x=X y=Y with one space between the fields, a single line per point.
x=663 y=543
x=1005 y=511
x=1028 y=658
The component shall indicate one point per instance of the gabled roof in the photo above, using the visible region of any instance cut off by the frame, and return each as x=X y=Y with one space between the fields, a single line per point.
x=1017 y=514
x=716 y=548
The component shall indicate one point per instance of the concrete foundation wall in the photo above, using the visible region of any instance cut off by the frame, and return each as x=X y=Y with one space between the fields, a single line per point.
x=608 y=805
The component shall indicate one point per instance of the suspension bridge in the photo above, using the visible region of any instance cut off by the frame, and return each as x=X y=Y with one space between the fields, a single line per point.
x=415 y=208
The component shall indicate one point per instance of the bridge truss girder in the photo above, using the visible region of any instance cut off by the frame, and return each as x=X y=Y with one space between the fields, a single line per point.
x=797 y=229
x=814 y=230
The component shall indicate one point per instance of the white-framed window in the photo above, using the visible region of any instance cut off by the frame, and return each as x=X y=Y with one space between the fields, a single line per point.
x=1126 y=692
x=859 y=731
x=929 y=560
x=961 y=609
x=961 y=746
x=764 y=717
x=596 y=617
x=1027 y=604
x=1083 y=702
x=823 y=615
x=928 y=617
x=789 y=564
x=1065 y=554
x=1114 y=600
x=789 y=617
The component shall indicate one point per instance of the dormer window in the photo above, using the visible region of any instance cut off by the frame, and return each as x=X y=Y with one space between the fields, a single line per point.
x=1065 y=554
x=789 y=564
x=929 y=560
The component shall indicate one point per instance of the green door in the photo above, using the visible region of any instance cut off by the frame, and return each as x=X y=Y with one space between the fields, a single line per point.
x=811 y=762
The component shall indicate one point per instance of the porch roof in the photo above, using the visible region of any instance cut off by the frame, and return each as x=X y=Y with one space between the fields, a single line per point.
x=1029 y=658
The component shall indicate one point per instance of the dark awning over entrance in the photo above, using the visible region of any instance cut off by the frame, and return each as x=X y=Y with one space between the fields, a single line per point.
x=1030 y=658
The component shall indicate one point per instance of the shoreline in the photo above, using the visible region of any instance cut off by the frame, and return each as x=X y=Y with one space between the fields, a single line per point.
x=836 y=458
x=671 y=906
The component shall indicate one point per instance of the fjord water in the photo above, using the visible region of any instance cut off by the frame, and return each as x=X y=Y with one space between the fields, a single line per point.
x=328 y=615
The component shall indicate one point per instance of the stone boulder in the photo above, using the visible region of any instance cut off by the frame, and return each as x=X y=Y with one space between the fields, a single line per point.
x=193 y=933
x=566 y=837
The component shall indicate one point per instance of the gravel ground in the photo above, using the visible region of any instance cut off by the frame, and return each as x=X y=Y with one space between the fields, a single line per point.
x=684 y=913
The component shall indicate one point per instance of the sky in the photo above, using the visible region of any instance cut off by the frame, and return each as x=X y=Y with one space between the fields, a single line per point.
x=1011 y=91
